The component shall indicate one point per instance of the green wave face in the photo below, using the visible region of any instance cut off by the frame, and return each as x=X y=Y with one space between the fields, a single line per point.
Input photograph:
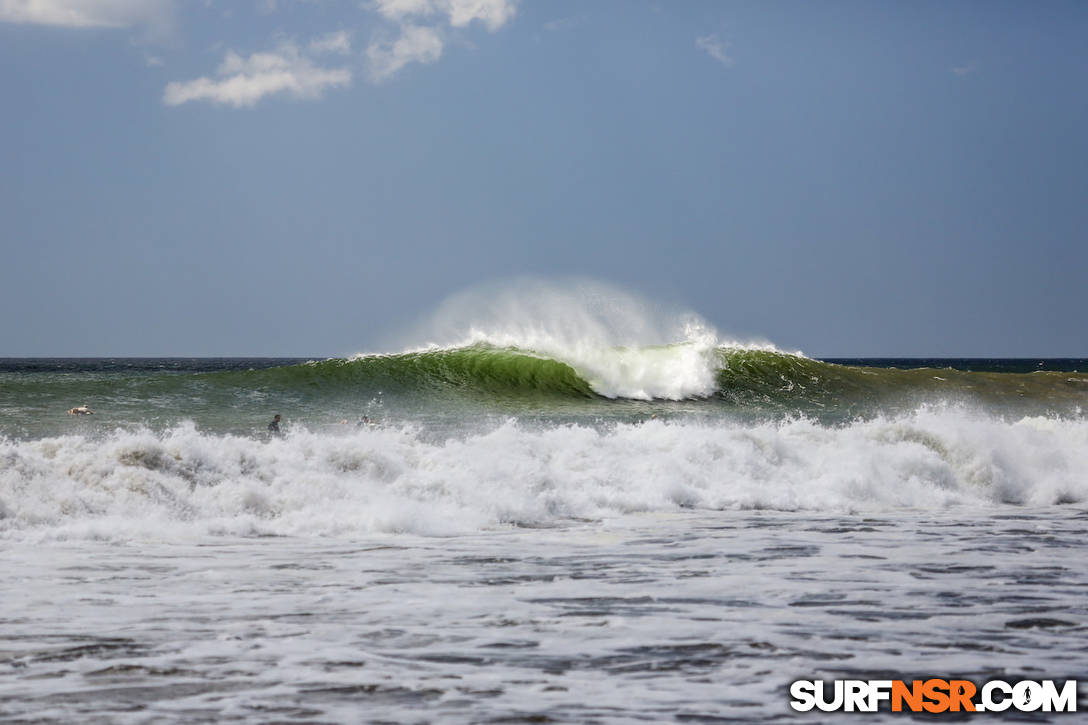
x=456 y=385
x=775 y=380
x=744 y=379
x=478 y=369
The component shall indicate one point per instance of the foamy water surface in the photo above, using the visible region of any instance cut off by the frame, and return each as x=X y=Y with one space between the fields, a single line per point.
x=619 y=572
x=640 y=618
x=351 y=481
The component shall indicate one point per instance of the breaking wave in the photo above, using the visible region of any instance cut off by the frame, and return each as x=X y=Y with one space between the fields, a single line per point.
x=742 y=376
x=179 y=482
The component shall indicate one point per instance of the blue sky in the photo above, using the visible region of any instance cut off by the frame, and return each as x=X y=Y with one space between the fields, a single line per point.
x=310 y=177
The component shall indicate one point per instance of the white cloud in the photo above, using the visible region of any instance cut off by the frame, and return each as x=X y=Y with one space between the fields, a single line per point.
x=338 y=42
x=88 y=13
x=715 y=48
x=401 y=9
x=493 y=13
x=458 y=13
x=245 y=81
x=421 y=23
x=416 y=44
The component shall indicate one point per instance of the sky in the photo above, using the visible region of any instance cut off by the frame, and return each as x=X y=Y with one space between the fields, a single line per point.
x=311 y=177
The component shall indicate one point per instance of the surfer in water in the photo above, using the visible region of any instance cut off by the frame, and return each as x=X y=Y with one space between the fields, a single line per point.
x=81 y=410
x=274 y=426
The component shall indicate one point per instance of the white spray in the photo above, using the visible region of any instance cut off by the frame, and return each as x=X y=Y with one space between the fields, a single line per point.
x=622 y=345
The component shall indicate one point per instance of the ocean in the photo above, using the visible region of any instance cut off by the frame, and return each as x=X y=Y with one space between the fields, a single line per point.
x=507 y=531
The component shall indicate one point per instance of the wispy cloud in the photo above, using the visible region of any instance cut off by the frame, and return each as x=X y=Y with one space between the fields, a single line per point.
x=422 y=24
x=715 y=48
x=492 y=13
x=408 y=32
x=401 y=9
x=966 y=69
x=242 y=82
x=85 y=14
x=416 y=44
x=338 y=42
x=459 y=13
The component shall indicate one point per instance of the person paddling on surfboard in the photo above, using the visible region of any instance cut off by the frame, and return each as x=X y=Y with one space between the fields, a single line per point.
x=81 y=410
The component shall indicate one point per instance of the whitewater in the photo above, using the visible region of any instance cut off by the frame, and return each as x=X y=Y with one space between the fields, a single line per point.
x=547 y=503
x=144 y=485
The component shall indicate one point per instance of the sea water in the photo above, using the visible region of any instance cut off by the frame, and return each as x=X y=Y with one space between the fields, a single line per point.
x=578 y=519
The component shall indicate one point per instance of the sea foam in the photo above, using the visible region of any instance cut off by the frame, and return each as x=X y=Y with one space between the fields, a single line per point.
x=182 y=482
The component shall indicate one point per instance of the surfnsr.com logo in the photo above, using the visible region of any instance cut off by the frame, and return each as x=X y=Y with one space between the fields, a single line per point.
x=933 y=695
